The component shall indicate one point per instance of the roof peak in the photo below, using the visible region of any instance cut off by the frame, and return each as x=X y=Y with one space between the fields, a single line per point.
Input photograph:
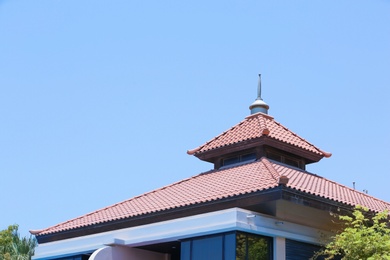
x=259 y=105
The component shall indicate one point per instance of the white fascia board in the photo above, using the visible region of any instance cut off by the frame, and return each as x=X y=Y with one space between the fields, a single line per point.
x=181 y=228
x=256 y=223
x=170 y=230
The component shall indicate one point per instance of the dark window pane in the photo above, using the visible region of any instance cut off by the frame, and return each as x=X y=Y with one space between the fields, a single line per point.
x=247 y=157
x=210 y=248
x=275 y=157
x=252 y=247
x=298 y=250
x=257 y=248
x=185 y=253
x=291 y=162
x=241 y=246
x=231 y=160
x=230 y=246
x=78 y=257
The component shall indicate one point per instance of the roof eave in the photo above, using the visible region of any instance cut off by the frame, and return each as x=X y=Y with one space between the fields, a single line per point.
x=169 y=214
x=211 y=155
x=280 y=192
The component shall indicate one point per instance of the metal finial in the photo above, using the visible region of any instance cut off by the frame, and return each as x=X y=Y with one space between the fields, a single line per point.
x=259 y=88
x=259 y=105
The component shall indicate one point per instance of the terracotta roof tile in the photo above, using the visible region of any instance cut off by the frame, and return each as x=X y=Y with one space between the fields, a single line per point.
x=255 y=126
x=316 y=185
x=219 y=184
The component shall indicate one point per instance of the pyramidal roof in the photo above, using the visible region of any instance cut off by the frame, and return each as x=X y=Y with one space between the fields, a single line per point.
x=254 y=127
x=229 y=183
x=222 y=184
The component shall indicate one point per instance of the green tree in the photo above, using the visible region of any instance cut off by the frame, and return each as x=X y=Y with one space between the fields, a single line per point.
x=361 y=238
x=14 y=247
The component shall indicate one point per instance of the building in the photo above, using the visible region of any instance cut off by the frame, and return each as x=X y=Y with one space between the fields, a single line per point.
x=258 y=202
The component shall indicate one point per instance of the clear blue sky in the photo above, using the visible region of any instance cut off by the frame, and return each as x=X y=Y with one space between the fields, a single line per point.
x=100 y=100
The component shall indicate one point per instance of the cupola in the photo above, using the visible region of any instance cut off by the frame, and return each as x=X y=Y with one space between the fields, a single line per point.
x=258 y=135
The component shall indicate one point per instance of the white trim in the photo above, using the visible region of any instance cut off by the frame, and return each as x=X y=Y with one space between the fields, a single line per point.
x=279 y=248
x=182 y=228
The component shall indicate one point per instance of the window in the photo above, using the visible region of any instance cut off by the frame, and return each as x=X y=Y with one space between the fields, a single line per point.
x=252 y=247
x=76 y=257
x=227 y=246
x=239 y=158
x=208 y=248
x=289 y=160
x=215 y=247
x=298 y=250
x=292 y=162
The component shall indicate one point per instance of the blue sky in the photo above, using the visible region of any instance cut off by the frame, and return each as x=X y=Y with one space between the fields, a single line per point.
x=99 y=101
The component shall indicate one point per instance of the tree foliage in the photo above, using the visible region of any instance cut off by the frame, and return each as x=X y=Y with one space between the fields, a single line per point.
x=362 y=237
x=15 y=247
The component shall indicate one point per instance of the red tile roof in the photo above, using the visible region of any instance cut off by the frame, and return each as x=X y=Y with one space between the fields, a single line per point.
x=256 y=126
x=219 y=184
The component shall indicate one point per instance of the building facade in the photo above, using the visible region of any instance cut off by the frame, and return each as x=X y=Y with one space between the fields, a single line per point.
x=258 y=202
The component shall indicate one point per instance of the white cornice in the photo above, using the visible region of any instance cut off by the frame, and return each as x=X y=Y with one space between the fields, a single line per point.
x=182 y=228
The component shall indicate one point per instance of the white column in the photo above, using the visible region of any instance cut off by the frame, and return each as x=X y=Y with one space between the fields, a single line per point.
x=279 y=248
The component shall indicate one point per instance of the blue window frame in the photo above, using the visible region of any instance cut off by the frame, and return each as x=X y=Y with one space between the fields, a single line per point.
x=239 y=159
x=227 y=246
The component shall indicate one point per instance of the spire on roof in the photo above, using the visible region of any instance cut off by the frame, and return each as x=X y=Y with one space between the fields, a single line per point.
x=259 y=105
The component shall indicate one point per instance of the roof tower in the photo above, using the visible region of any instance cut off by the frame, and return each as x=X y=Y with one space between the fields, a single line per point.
x=258 y=135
